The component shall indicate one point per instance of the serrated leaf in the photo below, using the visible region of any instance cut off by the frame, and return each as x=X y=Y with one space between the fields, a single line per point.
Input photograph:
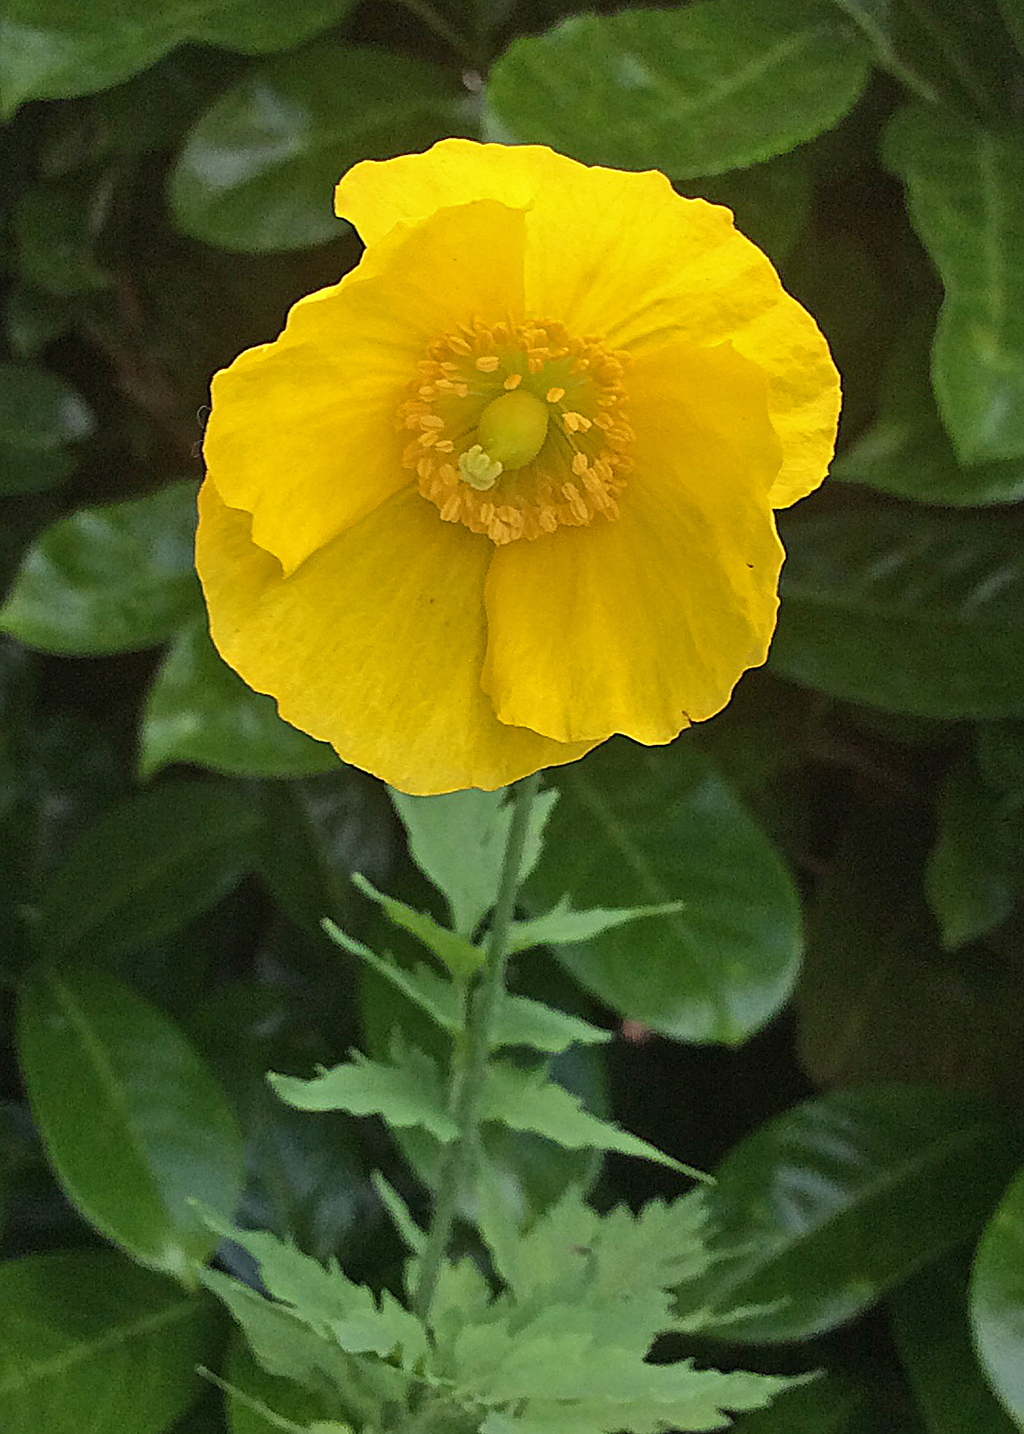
x=458 y=841
x=460 y=956
x=86 y=1330
x=54 y=48
x=247 y=1384
x=997 y=1300
x=327 y=1301
x=963 y=186
x=110 y=579
x=527 y=1100
x=661 y=825
x=401 y=1215
x=132 y=1119
x=911 y=610
x=524 y=1022
x=561 y=926
x=200 y=712
x=258 y=170
x=424 y=987
x=692 y=91
x=403 y=1095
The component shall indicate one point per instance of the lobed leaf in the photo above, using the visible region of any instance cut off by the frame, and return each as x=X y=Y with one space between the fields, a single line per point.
x=458 y=842
x=404 y=1095
x=460 y=956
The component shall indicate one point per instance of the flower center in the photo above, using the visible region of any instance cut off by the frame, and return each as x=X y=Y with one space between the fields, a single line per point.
x=519 y=428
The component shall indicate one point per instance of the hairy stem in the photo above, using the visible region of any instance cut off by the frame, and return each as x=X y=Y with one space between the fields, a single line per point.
x=469 y=1072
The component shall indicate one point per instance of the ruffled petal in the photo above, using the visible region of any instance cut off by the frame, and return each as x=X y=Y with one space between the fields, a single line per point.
x=677 y=268
x=374 y=644
x=302 y=432
x=644 y=624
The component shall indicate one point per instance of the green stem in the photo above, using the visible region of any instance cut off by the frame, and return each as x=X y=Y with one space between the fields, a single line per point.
x=469 y=1073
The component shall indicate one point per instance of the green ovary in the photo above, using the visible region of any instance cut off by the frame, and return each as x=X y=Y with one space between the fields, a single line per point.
x=512 y=429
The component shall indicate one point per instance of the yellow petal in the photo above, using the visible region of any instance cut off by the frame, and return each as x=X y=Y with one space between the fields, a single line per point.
x=302 y=432
x=374 y=644
x=645 y=624
x=621 y=255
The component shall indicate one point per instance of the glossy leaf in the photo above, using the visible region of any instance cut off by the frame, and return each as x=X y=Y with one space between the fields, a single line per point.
x=110 y=579
x=458 y=841
x=907 y=452
x=199 y=711
x=133 y=1122
x=661 y=826
x=825 y=1208
x=258 y=170
x=38 y=410
x=997 y=1300
x=929 y=1321
x=975 y=874
x=963 y=186
x=89 y=1340
x=828 y=1405
x=691 y=91
x=146 y=867
x=878 y=999
x=911 y=610
x=54 y=48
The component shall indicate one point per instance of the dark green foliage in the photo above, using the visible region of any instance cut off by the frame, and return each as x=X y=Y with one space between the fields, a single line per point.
x=789 y=945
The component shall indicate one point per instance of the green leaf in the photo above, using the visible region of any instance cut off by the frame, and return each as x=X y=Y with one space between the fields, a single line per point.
x=259 y=168
x=771 y=201
x=661 y=825
x=963 y=186
x=458 y=842
x=54 y=48
x=38 y=410
x=424 y=987
x=527 y=1100
x=997 y=1300
x=110 y=579
x=975 y=873
x=692 y=91
x=283 y=1397
x=561 y=926
x=86 y=1334
x=1001 y=760
x=460 y=956
x=907 y=452
x=1013 y=14
x=132 y=1120
x=33 y=470
x=822 y=1210
x=523 y=1022
x=147 y=867
x=200 y=711
x=403 y=1095
x=912 y=611
x=929 y=1321
x=327 y=1301
x=830 y=1405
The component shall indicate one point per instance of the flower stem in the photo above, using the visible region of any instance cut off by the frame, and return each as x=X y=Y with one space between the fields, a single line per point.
x=469 y=1073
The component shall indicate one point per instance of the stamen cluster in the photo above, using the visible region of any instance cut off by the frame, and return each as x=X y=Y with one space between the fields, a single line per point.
x=582 y=465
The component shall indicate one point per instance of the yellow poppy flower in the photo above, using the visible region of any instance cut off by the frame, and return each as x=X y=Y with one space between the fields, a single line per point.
x=507 y=488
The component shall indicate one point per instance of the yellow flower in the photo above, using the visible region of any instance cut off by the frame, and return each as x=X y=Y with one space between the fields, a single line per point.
x=507 y=488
